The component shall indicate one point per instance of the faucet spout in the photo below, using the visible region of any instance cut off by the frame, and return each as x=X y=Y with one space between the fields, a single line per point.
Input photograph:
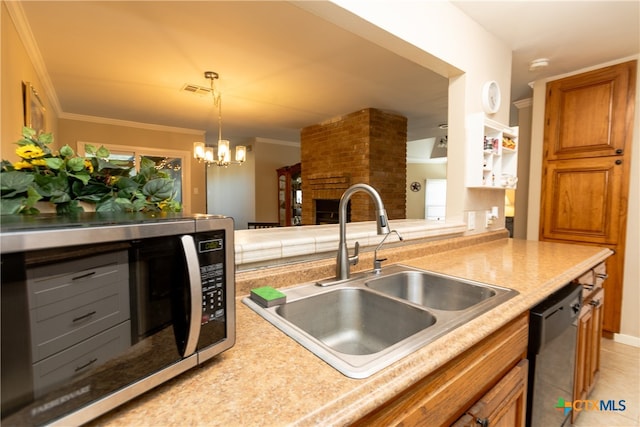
x=343 y=260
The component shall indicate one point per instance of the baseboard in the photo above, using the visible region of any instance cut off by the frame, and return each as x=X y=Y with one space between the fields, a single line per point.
x=627 y=339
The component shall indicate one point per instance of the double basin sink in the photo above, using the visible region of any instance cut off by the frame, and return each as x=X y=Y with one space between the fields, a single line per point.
x=364 y=324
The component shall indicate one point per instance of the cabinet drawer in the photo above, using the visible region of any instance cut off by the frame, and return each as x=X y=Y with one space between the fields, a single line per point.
x=57 y=326
x=81 y=358
x=55 y=282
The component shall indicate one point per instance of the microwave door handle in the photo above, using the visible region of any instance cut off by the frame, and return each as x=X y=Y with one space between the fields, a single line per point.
x=195 y=292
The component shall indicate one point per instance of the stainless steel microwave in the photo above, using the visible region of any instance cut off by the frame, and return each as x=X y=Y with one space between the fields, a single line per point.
x=97 y=309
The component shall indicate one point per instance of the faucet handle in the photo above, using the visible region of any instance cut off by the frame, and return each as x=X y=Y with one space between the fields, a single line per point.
x=353 y=260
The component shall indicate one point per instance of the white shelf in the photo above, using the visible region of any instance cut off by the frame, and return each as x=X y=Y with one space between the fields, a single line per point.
x=490 y=161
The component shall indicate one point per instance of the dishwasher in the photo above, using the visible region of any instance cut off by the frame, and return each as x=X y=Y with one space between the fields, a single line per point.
x=553 y=326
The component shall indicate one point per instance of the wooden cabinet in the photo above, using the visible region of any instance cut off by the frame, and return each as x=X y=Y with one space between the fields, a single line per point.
x=480 y=379
x=505 y=405
x=589 y=338
x=586 y=163
x=590 y=115
x=492 y=154
x=290 y=195
x=583 y=200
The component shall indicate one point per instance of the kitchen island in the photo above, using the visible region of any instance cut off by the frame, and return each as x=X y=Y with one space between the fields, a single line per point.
x=268 y=379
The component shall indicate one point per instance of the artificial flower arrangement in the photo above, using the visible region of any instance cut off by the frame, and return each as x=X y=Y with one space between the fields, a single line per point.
x=64 y=179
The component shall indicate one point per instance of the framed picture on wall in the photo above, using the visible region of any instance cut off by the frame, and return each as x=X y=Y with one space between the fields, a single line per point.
x=34 y=111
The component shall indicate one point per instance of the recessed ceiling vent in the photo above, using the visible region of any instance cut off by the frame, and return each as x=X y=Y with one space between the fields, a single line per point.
x=195 y=89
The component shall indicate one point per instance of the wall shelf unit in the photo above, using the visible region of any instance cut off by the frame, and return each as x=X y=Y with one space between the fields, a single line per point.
x=493 y=154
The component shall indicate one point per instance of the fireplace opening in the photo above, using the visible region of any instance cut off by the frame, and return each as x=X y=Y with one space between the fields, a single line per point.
x=328 y=211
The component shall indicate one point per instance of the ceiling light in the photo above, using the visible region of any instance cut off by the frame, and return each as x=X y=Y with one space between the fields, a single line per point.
x=538 y=64
x=205 y=154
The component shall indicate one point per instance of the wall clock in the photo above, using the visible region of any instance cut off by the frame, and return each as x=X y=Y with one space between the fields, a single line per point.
x=415 y=186
x=491 y=97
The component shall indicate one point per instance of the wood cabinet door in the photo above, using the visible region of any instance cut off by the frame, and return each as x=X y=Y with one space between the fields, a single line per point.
x=584 y=200
x=591 y=114
x=588 y=347
x=505 y=405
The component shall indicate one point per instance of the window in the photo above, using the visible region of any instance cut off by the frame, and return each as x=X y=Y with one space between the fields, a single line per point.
x=174 y=162
x=435 y=200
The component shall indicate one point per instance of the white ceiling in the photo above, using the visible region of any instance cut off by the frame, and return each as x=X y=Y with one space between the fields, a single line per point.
x=282 y=68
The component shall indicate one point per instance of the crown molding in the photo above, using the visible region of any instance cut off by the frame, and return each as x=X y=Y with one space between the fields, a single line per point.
x=127 y=123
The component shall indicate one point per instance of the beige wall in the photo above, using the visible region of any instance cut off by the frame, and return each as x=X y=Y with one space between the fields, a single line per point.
x=16 y=67
x=155 y=138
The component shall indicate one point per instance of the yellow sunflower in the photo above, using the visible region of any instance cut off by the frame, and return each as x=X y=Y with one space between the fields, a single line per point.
x=88 y=165
x=22 y=165
x=29 y=152
x=39 y=162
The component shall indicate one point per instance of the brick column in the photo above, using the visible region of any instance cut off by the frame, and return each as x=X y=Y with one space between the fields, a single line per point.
x=367 y=146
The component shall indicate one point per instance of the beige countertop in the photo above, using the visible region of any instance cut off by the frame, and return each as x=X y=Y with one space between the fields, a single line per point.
x=268 y=379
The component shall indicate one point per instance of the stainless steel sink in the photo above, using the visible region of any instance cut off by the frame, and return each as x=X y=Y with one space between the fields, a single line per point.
x=364 y=324
x=430 y=290
x=354 y=321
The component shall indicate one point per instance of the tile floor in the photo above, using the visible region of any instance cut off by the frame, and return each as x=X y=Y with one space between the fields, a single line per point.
x=619 y=380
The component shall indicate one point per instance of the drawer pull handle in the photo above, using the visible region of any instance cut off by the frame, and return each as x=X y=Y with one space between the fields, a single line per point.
x=77 y=319
x=89 y=363
x=84 y=275
x=602 y=276
x=595 y=303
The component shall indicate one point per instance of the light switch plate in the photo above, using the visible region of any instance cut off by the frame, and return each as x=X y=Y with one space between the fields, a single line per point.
x=471 y=221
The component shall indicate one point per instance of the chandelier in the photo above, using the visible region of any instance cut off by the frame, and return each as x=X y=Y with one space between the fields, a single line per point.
x=202 y=153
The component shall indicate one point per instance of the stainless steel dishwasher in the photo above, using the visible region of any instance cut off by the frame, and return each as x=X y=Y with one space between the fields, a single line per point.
x=552 y=348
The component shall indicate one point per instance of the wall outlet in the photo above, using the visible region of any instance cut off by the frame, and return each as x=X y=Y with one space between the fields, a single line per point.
x=488 y=219
x=471 y=221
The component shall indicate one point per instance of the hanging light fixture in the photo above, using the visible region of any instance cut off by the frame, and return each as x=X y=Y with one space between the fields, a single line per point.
x=206 y=154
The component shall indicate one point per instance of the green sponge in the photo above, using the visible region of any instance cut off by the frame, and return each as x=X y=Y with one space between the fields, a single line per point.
x=267 y=296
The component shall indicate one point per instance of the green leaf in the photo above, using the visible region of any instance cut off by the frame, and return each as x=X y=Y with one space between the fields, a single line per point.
x=32 y=196
x=15 y=181
x=67 y=151
x=55 y=187
x=76 y=164
x=82 y=176
x=11 y=206
x=103 y=152
x=109 y=205
x=90 y=149
x=105 y=164
x=27 y=132
x=46 y=138
x=54 y=163
x=158 y=189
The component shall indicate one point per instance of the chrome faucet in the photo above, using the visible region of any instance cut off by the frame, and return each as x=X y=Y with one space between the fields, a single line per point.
x=377 y=262
x=343 y=259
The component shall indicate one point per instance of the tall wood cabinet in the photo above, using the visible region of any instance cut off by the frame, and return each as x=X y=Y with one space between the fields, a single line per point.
x=290 y=195
x=586 y=163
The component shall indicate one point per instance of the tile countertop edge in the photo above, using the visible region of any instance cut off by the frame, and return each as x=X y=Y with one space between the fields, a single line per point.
x=267 y=244
x=409 y=370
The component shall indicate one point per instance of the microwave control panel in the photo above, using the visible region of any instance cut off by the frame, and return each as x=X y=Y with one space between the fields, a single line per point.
x=211 y=254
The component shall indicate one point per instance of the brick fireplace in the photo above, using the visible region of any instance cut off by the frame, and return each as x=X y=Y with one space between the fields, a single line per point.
x=367 y=146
